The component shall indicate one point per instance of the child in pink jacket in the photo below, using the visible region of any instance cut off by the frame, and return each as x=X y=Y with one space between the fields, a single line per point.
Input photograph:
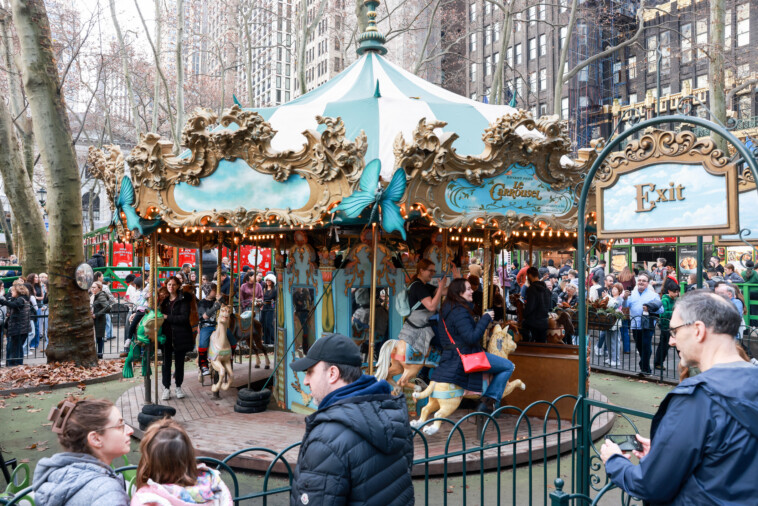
x=168 y=474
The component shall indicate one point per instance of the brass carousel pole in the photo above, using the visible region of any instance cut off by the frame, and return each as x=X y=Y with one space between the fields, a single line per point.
x=486 y=274
x=154 y=286
x=239 y=281
x=200 y=268
x=252 y=321
x=445 y=237
x=231 y=281
x=372 y=310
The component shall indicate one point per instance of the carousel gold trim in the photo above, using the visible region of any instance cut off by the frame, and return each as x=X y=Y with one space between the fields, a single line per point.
x=431 y=161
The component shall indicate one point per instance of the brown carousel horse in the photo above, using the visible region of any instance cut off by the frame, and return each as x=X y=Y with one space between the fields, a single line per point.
x=444 y=398
x=241 y=330
x=559 y=325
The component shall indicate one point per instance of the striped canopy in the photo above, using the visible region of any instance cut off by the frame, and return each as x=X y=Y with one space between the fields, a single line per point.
x=383 y=100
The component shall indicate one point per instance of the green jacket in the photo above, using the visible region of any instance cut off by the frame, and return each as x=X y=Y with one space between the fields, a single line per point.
x=752 y=278
x=668 y=310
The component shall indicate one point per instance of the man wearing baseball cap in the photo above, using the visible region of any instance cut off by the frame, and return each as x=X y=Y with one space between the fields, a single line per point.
x=357 y=447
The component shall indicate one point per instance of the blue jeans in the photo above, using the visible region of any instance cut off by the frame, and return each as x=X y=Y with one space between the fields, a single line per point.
x=501 y=370
x=643 y=340
x=612 y=343
x=34 y=342
x=108 y=327
x=625 y=335
x=601 y=340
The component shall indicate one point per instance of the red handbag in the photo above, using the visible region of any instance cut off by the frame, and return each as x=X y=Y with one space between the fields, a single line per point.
x=472 y=362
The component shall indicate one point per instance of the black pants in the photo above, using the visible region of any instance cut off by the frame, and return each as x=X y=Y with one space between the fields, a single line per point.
x=14 y=354
x=171 y=355
x=662 y=353
x=534 y=334
x=135 y=323
x=100 y=345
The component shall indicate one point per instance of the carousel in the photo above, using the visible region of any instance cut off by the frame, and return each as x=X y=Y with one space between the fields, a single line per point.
x=350 y=185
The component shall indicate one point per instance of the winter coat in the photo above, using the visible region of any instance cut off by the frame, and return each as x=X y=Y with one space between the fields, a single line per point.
x=77 y=479
x=704 y=443
x=176 y=327
x=635 y=302
x=539 y=302
x=357 y=449
x=467 y=335
x=668 y=310
x=209 y=490
x=750 y=276
x=17 y=318
x=100 y=306
x=96 y=260
x=733 y=278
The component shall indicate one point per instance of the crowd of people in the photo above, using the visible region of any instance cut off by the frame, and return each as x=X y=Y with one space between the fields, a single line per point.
x=23 y=316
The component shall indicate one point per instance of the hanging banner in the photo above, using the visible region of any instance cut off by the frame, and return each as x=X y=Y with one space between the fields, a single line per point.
x=122 y=254
x=187 y=256
x=653 y=240
x=262 y=259
x=667 y=183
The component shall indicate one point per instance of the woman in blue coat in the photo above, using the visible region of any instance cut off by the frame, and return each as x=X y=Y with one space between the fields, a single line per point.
x=457 y=316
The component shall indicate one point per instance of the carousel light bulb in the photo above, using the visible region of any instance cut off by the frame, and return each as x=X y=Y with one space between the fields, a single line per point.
x=534 y=233
x=550 y=234
x=176 y=230
x=567 y=234
x=468 y=229
x=159 y=230
x=542 y=234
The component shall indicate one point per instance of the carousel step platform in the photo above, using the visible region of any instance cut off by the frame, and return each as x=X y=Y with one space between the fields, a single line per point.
x=218 y=431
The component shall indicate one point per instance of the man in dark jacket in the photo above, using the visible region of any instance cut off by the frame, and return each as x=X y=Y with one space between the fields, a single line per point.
x=705 y=429
x=538 y=304
x=358 y=446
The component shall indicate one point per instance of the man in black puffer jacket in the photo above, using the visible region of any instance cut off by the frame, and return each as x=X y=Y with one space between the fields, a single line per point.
x=358 y=446
x=538 y=303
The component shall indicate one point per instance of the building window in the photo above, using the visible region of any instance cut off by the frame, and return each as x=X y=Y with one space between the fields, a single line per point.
x=542 y=12
x=583 y=102
x=473 y=96
x=487 y=65
x=496 y=30
x=743 y=25
x=473 y=72
x=583 y=74
x=532 y=14
x=564 y=5
x=472 y=12
x=702 y=81
x=543 y=110
x=632 y=66
x=652 y=44
x=686 y=43
x=562 y=41
x=744 y=106
x=534 y=111
x=518 y=54
x=543 y=44
x=532 y=48
x=487 y=34
x=533 y=82
x=665 y=91
x=520 y=87
x=728 y=29
x=543 y=79
x=685 y=83
x=517 y=21
x=632 y=98
x=487 y=7
x=564 y=107
x=509 y=56
x=665 y=44
x=472 y=42
x=701 y=36
x=616 y=72
x=743 y=71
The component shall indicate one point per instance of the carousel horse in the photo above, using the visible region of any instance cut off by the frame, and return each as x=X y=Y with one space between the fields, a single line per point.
x=398 y=357
x=220 y=352
x=444 y=398
x=143 y=342
x=242 y=328
x=559 y=327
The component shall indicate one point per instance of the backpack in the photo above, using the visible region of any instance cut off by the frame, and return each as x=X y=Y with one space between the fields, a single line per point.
x=402 y=306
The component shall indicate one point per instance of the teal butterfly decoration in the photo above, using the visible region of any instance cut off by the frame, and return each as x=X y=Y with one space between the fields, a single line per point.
x=371 y=192
x=125 y=203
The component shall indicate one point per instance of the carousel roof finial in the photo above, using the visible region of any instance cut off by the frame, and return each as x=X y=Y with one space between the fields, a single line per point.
x=371 y=39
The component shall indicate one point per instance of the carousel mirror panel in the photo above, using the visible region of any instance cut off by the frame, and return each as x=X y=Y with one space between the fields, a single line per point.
x=360 y=310
x=304 y=319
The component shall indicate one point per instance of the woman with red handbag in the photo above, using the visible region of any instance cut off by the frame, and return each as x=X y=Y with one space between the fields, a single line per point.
x=463 y=359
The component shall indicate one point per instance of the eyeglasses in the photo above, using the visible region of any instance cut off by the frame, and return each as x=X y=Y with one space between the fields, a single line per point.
x=121 y=426
x=674 y=330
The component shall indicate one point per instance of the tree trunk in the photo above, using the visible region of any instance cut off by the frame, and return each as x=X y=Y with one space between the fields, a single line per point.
x=8 y=234
x=125 y=68
x=71 y=327
x=23 y=202
x=303 y=31
x=157 y=88
x=716 y=95
x=558 y=90
x=179 y=72
x=496 y=93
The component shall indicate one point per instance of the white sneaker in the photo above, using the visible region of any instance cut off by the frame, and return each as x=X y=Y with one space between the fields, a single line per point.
x=607 y=361
x=166 y=394
x=179 y=393
x=613 y=363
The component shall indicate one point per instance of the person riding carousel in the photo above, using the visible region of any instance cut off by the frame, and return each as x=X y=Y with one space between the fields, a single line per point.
x=424 y=300
x=457 y=321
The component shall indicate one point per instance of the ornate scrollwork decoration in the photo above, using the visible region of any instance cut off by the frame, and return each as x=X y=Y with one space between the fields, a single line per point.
x=513 y=138
x=328 y=161
x=109 y=170
x=661 y=143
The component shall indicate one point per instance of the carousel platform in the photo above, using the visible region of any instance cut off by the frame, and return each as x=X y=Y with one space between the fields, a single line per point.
x=217 y=431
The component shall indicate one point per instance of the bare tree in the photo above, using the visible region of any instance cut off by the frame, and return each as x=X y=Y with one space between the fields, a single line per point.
x=71 y=323
x=125 y=65
x=179 y=70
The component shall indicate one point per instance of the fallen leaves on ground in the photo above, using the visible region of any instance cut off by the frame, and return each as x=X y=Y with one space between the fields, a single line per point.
x=54 y=374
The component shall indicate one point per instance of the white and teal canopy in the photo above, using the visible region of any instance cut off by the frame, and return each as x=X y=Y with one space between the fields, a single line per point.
x=375 y=96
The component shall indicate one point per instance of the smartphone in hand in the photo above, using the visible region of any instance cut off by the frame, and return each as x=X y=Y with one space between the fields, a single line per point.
x=626 y=442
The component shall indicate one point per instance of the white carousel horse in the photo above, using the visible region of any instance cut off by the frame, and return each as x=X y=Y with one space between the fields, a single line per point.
x=220 y=352
x=444 y=398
